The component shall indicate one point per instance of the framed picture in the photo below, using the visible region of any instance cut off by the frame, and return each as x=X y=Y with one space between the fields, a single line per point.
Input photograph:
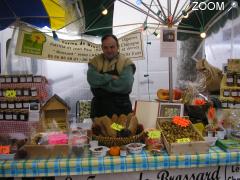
x=170 y=109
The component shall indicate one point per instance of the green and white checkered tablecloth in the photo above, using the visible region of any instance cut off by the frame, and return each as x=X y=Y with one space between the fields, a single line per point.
x=112 y=164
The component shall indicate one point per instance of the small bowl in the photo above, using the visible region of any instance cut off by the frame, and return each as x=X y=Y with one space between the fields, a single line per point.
x=99 y=151
x=135 y=148
x=211 y=140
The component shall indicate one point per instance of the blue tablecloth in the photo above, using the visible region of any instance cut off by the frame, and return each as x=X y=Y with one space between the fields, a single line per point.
x=114 y=164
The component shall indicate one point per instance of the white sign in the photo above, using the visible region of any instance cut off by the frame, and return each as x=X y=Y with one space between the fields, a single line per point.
x=32 y=43
x=206 y=173
x=168 y=42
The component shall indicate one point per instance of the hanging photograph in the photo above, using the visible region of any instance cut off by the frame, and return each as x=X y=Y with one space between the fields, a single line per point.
x=170 y=109
x=168 y=42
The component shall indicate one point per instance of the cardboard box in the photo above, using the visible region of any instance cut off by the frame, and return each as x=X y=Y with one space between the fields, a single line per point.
x=193 y=147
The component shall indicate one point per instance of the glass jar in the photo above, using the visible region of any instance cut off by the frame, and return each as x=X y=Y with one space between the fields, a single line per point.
x=33 y=91
x=226 y=92
x=15 y=79
x=18 y=92
x=37 y=79
x=8 y=115
x=224 y=104
x=2 y=79
x=23 y=79
x=18 y=104
x=1 y=115
x=15 y=116
x=230 y=79
x=234 y=93
x=29 y=78
x=238 y=79
x=8 y=79
x=11 y=104
x=235 y=123
x=26 y=92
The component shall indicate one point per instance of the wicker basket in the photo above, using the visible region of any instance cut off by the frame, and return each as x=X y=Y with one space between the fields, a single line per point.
x=119 y=141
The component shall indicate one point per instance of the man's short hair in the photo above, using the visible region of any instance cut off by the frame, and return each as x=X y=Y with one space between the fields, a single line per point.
x=112 y=36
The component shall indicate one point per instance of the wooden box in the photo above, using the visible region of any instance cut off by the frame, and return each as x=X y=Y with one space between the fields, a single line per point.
x=47 y=151
x=193 y=147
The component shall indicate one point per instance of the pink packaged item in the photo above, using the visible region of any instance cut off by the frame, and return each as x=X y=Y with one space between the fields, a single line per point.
x=57 y=138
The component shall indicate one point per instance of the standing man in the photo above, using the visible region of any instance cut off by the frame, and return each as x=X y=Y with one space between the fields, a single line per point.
x=110 y=76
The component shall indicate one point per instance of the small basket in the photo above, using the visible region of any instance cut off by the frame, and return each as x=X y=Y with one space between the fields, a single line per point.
x=119 y=141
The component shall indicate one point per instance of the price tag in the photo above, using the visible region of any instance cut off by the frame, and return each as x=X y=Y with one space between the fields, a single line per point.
x=10 y=93
x=117 y=127
x=180 y=121
x=4 y=149
x=154 y=134
x=183 y=140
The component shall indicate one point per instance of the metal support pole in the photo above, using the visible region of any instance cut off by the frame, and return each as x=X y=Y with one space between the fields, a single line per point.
x=170 y=79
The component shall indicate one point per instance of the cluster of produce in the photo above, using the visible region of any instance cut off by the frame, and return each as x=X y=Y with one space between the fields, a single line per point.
x=102 y=126
x=172 y=132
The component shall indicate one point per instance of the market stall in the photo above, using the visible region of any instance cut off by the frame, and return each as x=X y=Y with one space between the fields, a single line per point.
x=178 y=127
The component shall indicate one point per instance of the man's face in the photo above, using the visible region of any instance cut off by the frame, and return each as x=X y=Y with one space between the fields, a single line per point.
x=109 y=48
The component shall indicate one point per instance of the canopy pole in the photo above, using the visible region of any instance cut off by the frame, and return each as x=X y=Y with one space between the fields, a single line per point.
x=7 y=61
x=170 y=79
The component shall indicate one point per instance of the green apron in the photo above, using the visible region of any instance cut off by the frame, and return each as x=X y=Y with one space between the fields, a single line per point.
x=109 y=103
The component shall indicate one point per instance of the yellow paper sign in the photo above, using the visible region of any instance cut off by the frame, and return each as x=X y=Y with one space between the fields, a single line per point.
x=10 y=93
x=154 y=134
x=183 y=140
x=117 y=127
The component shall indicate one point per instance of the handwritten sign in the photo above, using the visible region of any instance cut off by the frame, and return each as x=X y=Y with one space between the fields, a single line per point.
x=4 y=149
x=183 y=140
x=117 y=127
x=78 y=51
x=154 y=134
x=10 y=93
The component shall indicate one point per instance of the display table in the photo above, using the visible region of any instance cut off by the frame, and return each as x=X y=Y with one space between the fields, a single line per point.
x=109 y=164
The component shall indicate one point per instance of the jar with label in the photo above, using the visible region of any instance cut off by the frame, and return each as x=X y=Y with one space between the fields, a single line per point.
x=26 y=92
x=237 y=105
x=2 y=115
x=234 y=93
x=226 y=92
x=3 y=104
x=15 y=79
x=33 y=91
x=25 y=104
x=230 y=104
x=8 y=115
x=238 y=79
x=8 y=79
x=29 y=78
x=11 y=104
x=224 y=104
x=23 y=79
x=230 y=79
x=2 y=79
x=18 y=92
x=23 y=116
x=18 y=105
x=37 y=79
x=15 y=116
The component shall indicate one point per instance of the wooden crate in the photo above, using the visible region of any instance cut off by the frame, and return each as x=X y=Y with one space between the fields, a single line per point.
x=195 y=147
x=47 y=151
